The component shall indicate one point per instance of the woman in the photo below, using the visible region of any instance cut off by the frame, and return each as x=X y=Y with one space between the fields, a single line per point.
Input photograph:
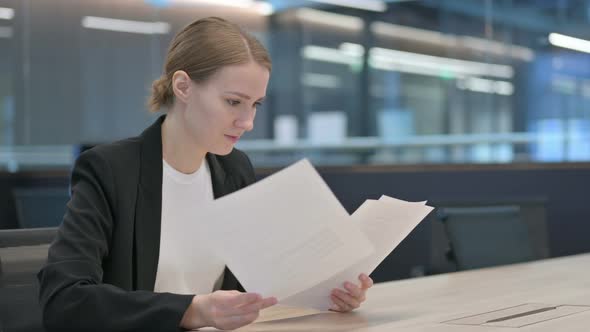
x=114 y=265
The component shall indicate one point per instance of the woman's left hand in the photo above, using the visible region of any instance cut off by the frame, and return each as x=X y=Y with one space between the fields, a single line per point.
x=345 y=301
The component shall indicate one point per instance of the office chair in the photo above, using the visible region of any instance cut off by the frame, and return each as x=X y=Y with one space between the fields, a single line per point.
x=19 y=305
x=40 y=207
x=1 y=276
x=26 y=236
x=21 y=264
x=22 y=254
x=484 y=236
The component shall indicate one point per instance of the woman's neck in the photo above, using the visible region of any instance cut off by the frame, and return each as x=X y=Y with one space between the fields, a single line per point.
x=178 y=148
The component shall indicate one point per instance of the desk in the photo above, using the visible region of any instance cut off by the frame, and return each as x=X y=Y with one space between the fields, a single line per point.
x=423 y=304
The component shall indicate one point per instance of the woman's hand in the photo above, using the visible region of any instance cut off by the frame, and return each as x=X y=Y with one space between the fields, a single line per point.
x=345 y=301
x=224 y=310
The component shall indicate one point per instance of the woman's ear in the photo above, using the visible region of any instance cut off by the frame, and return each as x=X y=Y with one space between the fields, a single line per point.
x=181 y=85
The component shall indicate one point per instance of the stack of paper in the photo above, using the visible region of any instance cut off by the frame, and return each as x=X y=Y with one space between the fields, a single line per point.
x=288 y=236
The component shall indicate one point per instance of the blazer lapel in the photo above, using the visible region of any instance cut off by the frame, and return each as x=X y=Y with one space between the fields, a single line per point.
x=222 y=184
x=148 y=212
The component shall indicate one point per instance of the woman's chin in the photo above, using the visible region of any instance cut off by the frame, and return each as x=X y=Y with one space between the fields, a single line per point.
x=223 y=151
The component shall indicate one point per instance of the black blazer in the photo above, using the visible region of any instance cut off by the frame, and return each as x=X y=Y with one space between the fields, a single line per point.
x=102 y=266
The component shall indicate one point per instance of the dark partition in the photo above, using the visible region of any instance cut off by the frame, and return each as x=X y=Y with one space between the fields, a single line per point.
x=9 y=182
x=557 y=192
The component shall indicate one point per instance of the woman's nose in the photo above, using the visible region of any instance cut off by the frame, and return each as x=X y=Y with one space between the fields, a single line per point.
x=246 y=123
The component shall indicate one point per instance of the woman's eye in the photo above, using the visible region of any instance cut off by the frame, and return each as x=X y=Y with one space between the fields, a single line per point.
x=257 y=104
x=233 y=102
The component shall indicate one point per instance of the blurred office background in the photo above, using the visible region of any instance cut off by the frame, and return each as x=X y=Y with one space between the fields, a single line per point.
x=481 y=107
x=390 y=82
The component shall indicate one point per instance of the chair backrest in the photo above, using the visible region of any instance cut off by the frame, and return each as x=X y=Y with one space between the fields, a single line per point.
x=483 y=236
x=1 y=280
x=21 y=264
x=40 y=207
x=26 y=236
x=22 y=253
x=19 y=305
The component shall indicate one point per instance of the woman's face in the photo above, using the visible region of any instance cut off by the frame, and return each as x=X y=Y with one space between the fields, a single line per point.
x=220 y=110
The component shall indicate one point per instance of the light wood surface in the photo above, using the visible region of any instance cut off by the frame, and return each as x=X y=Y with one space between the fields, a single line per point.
x=426 y=304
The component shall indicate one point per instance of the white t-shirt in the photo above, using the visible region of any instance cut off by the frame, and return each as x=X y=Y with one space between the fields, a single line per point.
x=182 y=271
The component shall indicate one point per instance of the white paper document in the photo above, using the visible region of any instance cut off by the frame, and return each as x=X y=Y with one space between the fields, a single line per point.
x=385 y=223
x=288 y=236
x=284 y=233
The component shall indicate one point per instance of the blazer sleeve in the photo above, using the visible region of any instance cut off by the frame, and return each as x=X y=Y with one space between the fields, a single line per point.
x=72 y=295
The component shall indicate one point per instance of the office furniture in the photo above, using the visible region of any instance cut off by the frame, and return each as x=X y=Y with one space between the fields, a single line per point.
x=562 y=187
x=489 y=235
x=22 y=254
x=40 y=207
x=437 y=303
x=19 y=306
x=21 y=264
x=26 y=236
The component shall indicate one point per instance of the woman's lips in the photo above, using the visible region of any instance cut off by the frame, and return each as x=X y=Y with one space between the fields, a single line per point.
x=234 y=139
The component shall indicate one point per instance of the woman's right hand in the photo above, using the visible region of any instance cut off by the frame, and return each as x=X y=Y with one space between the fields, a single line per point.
x=224 y=310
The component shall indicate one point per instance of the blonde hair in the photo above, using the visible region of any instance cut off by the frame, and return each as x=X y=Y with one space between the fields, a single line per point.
x=201 y=49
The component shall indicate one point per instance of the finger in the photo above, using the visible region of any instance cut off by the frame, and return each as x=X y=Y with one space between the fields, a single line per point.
x=253 y=307
x=268 y=302
x=366 y=281
x=353 y=289
x=334 y=306
x=340 y=304
x=236 y=300
x=347 y=298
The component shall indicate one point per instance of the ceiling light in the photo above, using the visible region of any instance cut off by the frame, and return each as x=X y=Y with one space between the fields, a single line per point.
x=406 y=32
x=112 y=24
x=572 y=43
x=230 y=3
x=326 y=54
x=388 y=59
x=372 y=5
x=6 y=13
x=442 y=64
x=452 y=41
x=326 y=18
